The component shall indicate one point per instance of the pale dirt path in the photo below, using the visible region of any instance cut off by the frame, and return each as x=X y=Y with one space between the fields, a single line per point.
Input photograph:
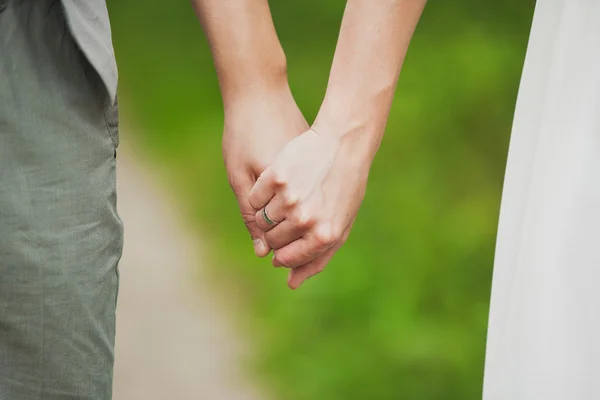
x=174 y=341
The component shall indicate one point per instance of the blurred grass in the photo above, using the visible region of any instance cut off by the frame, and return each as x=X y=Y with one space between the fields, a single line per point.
x=401 y=312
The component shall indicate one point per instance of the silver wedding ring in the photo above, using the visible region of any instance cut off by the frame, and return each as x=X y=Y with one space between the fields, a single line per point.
x=265 y=216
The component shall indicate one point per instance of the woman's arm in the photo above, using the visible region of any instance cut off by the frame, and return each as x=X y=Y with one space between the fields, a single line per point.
x=373 y=42
x=316 y=184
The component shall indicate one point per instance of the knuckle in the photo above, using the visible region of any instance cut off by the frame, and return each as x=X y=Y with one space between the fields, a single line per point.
x=272 y=240
x=261 y=166
x=270 y=243
x=251 y=225
x=326 y=235
x=260 y=224
x=234 y=183
x=284 y=260
x=279 y=178
x=307 y=254
x=248 y=218
x=319 y=268
x=253 y=202
x=290 y=200
x=303 y=218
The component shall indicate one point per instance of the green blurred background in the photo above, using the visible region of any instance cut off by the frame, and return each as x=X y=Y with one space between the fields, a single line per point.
x=401 y=311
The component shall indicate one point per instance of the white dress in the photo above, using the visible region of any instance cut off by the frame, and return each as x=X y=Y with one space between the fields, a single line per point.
x=544 y=326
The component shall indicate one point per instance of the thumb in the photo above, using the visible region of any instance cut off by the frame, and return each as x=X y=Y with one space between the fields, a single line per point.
x=242 y=191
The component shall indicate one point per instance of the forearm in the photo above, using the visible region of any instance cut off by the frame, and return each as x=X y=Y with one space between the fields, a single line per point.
x=247 y=54
x=373 y=41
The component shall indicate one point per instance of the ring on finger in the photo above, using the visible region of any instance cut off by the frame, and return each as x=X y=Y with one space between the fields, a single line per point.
x=266 y=217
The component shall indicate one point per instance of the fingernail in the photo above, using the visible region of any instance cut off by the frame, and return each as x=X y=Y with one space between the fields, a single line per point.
x=259 y=247
x=275 y=263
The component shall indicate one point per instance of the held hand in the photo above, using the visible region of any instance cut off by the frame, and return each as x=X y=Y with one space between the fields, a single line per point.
x=312 y=192
x=257 y=127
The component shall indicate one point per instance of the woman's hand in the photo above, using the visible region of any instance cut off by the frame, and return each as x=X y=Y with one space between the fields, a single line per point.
x=312 y=192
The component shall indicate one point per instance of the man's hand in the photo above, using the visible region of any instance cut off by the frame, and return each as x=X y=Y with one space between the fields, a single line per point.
x=257 y=126
x=261 y=115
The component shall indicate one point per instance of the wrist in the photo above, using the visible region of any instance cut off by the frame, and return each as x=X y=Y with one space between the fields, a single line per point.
x=351 y=123
x=254 y=79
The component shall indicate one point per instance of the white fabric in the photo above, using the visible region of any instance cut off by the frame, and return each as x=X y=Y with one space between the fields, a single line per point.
x=544 y=326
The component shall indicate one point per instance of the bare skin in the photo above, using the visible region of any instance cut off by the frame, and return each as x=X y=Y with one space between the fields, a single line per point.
x=311 y=180
x=261 y=115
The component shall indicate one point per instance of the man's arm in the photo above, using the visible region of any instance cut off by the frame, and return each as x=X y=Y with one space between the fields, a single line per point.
x=261 y=116
x=317 y=183
x=246 y=51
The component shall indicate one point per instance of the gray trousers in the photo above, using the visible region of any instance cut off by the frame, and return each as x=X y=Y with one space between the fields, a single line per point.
x=60 y=235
